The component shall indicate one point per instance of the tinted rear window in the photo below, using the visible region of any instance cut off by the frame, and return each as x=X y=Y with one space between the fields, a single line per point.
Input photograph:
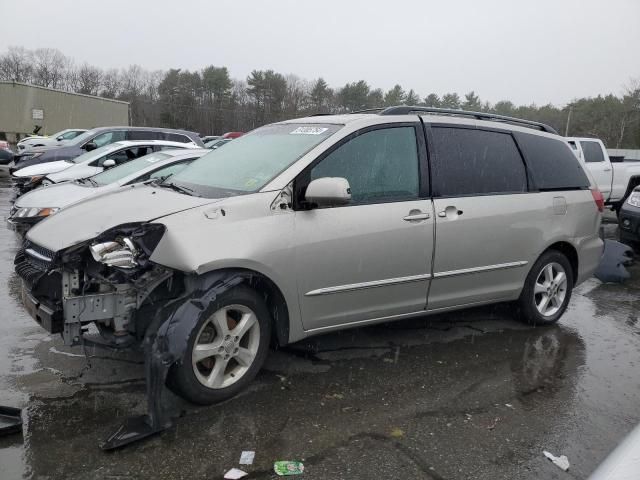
x=475 y=162
x=551 y=163
x=592 y=152
x=143 y=135
x=176 y=137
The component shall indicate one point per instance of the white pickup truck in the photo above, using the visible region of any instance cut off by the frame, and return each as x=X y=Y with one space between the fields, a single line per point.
x=615 y=180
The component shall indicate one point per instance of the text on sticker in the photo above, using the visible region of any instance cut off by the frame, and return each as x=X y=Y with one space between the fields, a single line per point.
x=308 y=131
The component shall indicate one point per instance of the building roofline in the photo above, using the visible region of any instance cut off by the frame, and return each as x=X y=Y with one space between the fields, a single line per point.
x=30 y=85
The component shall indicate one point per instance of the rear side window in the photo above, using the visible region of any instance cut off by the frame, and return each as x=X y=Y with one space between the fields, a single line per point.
x=551 y=163
x=475 y=162
x=592 y=152
x=143 y=135
x=176 y=137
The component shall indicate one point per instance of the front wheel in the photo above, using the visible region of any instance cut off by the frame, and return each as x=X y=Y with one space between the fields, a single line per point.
x=226 y=348
x=547 y=289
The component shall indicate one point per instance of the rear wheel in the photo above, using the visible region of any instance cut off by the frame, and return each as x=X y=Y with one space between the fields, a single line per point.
x=547 y=289
x=226 y=348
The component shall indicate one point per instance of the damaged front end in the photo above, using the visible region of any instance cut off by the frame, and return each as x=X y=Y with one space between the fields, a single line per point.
x=108 y=280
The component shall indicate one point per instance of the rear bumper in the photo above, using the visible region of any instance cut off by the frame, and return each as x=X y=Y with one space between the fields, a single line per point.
x=589 y=255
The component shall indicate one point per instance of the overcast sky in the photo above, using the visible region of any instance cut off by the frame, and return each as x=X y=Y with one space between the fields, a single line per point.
x=526 y=51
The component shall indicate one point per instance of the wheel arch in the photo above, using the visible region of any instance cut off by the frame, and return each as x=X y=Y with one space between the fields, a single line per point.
x=569 y=251
x=272 y=295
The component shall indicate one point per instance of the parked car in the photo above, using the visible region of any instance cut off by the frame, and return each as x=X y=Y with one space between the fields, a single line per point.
x=35 y=206
x=213 y=144
x=629 y=219
x=6 y=154
x=318 y=224
x=616 y=180
x=233 y=135
x=99 y=137
x=44 y=141
x=86 y=165
x=209 y=138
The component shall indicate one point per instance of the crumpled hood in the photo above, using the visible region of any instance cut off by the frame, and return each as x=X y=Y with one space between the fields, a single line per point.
x=87 y=219
x=58 y=196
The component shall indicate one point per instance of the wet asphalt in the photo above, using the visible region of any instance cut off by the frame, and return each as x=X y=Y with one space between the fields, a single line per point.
x=467 y=395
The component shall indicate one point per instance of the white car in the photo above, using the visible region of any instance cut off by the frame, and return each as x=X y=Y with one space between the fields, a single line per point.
x=616 y=180
x=35 y=206
x=87 y=164
x=47 y=141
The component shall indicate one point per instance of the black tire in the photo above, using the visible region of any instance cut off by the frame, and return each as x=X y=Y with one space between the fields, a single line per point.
x=526 y=306
x=182 y=377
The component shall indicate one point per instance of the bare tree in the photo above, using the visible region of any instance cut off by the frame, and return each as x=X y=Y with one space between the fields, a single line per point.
x=111 y=83
x=49 y=67
x=16 y=65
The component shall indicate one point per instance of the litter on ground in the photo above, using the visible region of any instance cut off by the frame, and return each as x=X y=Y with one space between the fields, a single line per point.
x=562 y=461
x=246 y=457
x=287 y=467
x=235 y=474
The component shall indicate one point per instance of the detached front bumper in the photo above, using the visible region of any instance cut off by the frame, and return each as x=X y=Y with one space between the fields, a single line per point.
x=48 y=317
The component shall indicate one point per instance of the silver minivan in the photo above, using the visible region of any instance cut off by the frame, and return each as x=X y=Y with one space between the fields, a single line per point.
x=318 y=224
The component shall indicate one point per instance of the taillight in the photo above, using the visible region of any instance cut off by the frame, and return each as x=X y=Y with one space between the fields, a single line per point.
x=598 y=198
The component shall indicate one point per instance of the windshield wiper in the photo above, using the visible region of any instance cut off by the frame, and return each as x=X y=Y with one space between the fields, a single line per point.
x=178 y=188
x=88 y=179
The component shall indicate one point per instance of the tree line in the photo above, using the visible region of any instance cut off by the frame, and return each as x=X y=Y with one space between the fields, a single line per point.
x=210 y=101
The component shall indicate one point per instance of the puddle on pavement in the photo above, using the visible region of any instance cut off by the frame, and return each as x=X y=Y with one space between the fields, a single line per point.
x=464 y=395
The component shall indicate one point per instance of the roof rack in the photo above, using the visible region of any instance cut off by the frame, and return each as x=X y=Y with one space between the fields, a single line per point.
x=406 y=110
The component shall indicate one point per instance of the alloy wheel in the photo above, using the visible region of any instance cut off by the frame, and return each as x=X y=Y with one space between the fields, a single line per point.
x=550 y=289
x=226 y=346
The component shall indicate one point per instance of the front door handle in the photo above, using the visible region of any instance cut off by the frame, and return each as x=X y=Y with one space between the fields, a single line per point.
x=607 y=170
x=416 y=215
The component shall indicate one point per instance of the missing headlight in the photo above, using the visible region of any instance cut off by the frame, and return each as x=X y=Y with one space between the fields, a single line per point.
x=121 y=253
x=127 y=246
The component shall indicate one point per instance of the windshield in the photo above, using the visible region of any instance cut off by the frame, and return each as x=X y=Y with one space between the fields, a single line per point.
x=97 y=153
x=68 y=135
x=251 y=161
x=84 y=137
x=117 y=173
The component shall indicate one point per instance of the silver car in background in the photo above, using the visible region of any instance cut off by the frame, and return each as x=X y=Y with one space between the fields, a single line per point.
x=87 y=164
x=37 y=205
x=34 y=141
x=318 y=224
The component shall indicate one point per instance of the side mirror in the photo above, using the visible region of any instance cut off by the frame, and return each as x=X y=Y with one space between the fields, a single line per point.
x=109 y=163
x=90 y=146
x=60 y=138
x=328 y=192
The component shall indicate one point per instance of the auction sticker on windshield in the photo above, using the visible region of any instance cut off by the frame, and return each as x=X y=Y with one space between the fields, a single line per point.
x=309 y=131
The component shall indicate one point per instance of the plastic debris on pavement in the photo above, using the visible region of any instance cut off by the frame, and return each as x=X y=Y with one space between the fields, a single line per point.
x=235 y=474
x=287 y=467
x=562 y=461
x=246 y=457
x=615 y=257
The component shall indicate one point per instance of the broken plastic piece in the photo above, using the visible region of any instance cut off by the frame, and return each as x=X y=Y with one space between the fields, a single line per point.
x=234 y=474
x=287 y=467
x=246 y=457
x=132 y=430
x=615 y=257
x=10 y=420
x=562 y=461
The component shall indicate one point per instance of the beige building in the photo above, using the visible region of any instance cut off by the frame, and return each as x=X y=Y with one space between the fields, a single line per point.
x=23 y=107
